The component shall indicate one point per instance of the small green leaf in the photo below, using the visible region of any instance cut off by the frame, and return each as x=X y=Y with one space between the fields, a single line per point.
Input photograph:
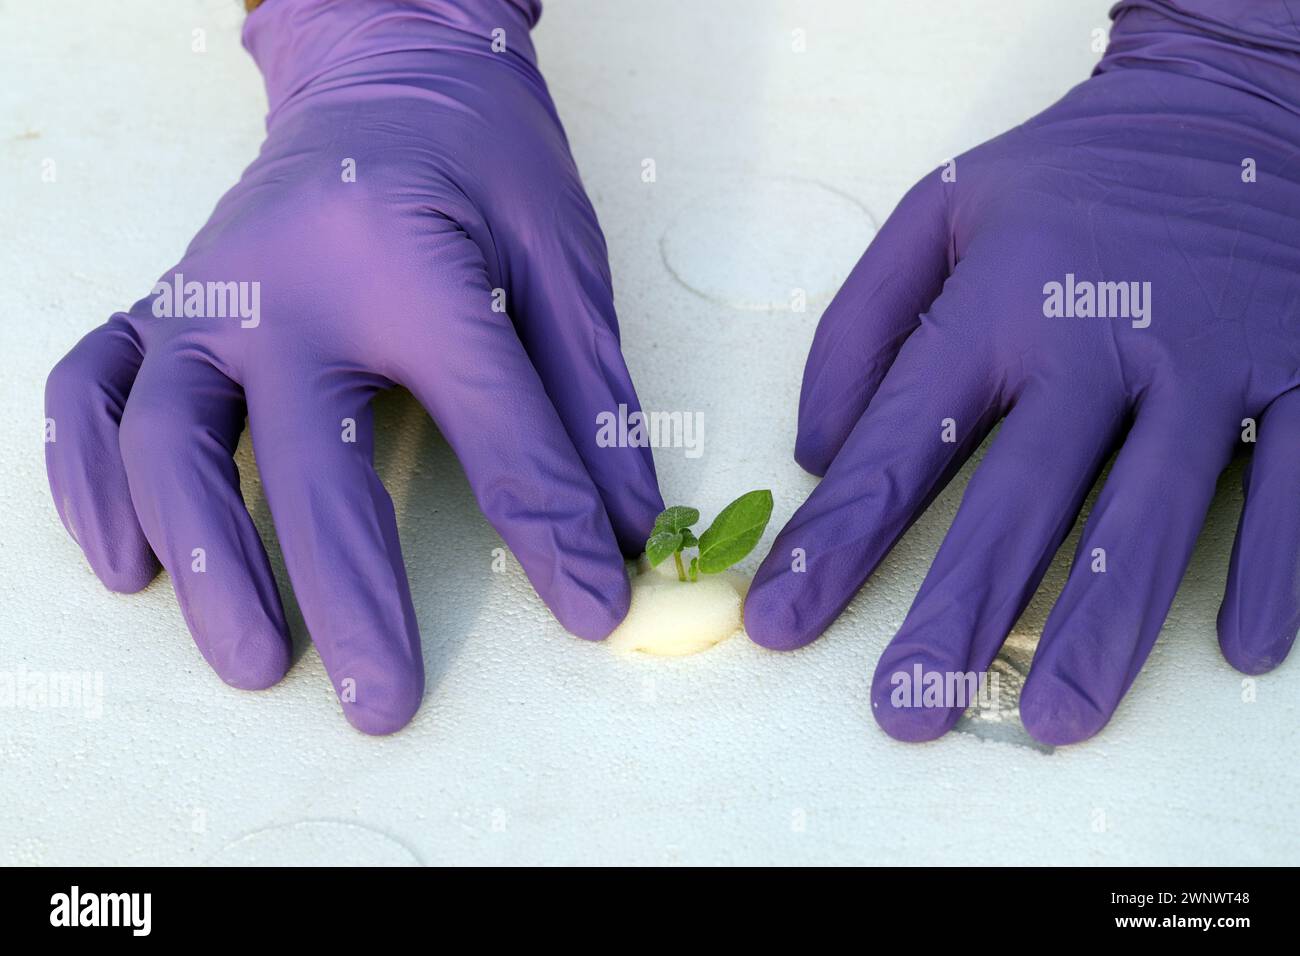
x=661 y=544
x=675 y=518
x=735 y=531
x=688 y=538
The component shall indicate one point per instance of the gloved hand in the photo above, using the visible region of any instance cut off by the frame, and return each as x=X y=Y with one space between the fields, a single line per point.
x=414 y=218
x=1174 y=170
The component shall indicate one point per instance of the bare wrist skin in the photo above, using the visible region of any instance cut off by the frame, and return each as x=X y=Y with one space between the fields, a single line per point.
x=251 y=5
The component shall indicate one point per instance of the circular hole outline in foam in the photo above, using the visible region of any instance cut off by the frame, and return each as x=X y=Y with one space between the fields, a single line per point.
x=750 y=243
x=315 y=843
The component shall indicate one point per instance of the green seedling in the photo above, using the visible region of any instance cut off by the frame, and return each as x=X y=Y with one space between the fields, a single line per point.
x=732 y=535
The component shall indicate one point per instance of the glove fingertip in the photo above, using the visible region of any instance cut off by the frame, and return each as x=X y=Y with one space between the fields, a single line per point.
x=591 y=609
x=771 y=618
x=1239 y=641
x=121 y=558
x=1054 y=713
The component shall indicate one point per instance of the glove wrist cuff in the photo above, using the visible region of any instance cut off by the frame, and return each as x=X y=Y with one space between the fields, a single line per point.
x=304 y=44
x=1252 y=45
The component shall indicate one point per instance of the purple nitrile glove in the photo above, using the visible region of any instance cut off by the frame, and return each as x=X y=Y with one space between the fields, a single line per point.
x=414 y=218
x=1174 y=173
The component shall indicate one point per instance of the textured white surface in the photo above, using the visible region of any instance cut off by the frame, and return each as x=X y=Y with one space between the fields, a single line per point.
x=533 y=746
